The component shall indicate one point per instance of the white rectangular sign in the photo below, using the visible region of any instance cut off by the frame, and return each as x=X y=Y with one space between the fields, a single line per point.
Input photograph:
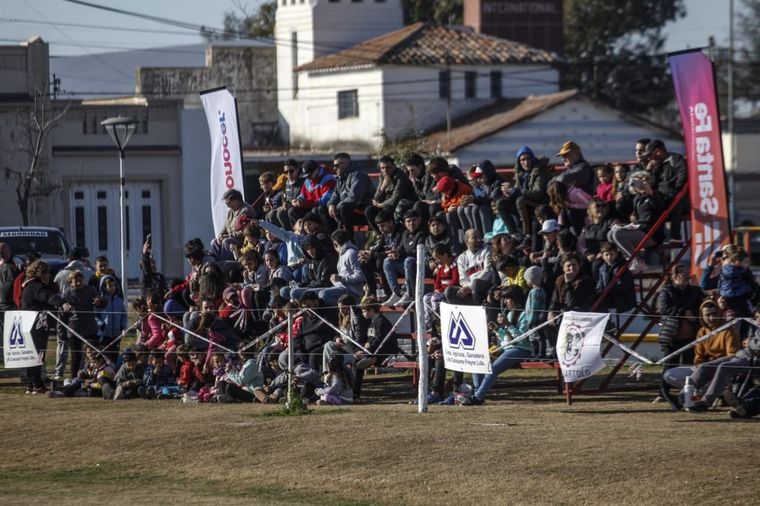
x=18 y=347
x=465 y=338
x=226 y=154
x=578 y=343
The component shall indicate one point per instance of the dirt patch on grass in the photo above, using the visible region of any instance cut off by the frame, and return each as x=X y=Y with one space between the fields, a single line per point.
x=526 y=447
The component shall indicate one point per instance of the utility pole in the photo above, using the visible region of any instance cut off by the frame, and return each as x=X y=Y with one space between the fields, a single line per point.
x=731 y=133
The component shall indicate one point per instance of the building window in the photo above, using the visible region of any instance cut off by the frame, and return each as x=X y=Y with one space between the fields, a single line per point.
x=348 y=104
x=102 y=228
x=444 y=84
x=470 y=80
x=496 y=84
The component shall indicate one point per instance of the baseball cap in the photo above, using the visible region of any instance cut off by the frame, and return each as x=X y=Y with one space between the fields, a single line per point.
x=549 y=226
x=567 y=147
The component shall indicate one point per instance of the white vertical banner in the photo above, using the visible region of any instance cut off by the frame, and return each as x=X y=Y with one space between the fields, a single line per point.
x=465 y=338
x=226 y=150
x=18 y=347
x=578 y=344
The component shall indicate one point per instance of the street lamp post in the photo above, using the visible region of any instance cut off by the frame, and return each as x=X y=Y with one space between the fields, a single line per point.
x=120 y=129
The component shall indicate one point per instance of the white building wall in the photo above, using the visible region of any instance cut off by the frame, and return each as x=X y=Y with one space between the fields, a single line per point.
x=602 y=134
x=321 y=28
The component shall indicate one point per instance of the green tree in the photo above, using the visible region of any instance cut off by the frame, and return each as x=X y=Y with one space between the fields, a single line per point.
x=614 y=51
x=445 y=12
x=244 y=23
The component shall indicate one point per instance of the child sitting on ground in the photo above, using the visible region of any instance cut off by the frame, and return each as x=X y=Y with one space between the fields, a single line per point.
x=129 y=378
x=157 y=376
x=95 y=379
x=244 y=384
x=340 y=385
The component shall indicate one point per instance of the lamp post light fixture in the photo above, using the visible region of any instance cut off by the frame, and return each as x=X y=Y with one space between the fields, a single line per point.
x=120 y=129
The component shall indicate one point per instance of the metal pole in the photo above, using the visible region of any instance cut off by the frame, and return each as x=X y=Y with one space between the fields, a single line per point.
x=122 y=243
x=422 y=356
x=290 y=356
x=732 y=158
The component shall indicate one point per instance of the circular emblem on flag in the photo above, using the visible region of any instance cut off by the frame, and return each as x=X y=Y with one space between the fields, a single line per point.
x=573 y=345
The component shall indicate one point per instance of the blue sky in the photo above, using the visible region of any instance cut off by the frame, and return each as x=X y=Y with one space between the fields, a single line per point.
x=45 y=18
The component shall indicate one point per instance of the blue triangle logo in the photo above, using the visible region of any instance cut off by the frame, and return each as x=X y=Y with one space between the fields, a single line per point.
x=460 y=335
x=17 y=336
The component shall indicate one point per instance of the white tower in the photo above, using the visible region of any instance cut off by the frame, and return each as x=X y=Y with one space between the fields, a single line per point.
x=307 y=29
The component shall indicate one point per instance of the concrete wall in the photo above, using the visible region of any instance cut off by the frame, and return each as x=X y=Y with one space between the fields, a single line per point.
x=248 y=71
x=24 y=68
x=602 y=133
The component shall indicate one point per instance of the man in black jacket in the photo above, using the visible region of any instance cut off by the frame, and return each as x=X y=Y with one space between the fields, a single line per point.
x=394 y=192
x=319 y=264
x=372 y=259
x=353 y=192
x=403 y=261
x=670 y=175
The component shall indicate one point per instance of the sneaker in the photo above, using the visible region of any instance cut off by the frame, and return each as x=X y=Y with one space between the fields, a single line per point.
x=471 y=400
x=637 y=266
x=404 y=301
x=392 y=300
x=39 y=391
x=729 y=398
x=29 y=389
x=658 y=399
x=141 y=392
x=698 y=407
x=58 y=377
x=739 y=410
x=675 y=401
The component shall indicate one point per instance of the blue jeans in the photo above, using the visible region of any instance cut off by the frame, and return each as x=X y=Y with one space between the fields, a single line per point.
x=395 y=268
x=330 y=296
x=509 y=359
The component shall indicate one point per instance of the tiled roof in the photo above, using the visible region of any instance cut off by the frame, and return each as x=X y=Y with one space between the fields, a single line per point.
x=490 y=119
x=425 y=44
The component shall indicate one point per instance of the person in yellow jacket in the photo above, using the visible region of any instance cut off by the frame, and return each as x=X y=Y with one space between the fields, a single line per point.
x=723 y=344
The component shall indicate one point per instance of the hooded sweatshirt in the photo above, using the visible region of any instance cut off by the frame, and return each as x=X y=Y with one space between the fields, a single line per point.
x=723 y=344
x=113 y=317
x=522 y=177
x=349 y=269
x=317 y=191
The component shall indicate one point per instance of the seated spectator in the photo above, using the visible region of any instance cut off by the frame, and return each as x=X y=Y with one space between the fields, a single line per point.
x=129 y=378
x=350 y=278
x=394 y=192
x=670 y=175
x=451 y=192
x=237 y=217
x=512 y=355
x=354 y=191
x=187 y=291
x=318 y=267
x=578 y=172
x=438 y=233
x=595 y=233
x=272 y=198
x=724 y=343
x=622 y=207
x=340 y=384
x=382 y=342
x=290 y=192
x=523 y=183
x=470 y=264
x=372 y=259
x=539 y=175
x=715 y=376
x=403 y=261
x=605 y=191
x=735 y=282
x=573 y=291
x=512 y=273
x=95 y=379
x=621 y=297
x=275 y=268
x=313 y=332
x=475 y=209
x=150 y=279
x=647 y=208
x=243 y=384
x=570 y=204
x=426 y=201
x=446 y=275
x=317 y=190
x=156 y=375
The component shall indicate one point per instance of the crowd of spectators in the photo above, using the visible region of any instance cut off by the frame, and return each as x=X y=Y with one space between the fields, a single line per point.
x=337 y=248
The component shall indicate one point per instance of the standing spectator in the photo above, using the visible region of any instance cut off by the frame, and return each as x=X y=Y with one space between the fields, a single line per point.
x=403 y=260
x=39 y=295
x=670 y=175
x=350 y=278
x=150 y=279
x=113 y=317
x=394 y=192
x=102 y=269
x=8 y=273
x=353 y=192
x=317 y=190
x=577 y=171
x=83 y=302
x=290 y=192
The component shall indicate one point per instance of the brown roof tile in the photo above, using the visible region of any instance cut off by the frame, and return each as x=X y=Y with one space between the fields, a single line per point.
x=490 y=119
x=425 y=44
